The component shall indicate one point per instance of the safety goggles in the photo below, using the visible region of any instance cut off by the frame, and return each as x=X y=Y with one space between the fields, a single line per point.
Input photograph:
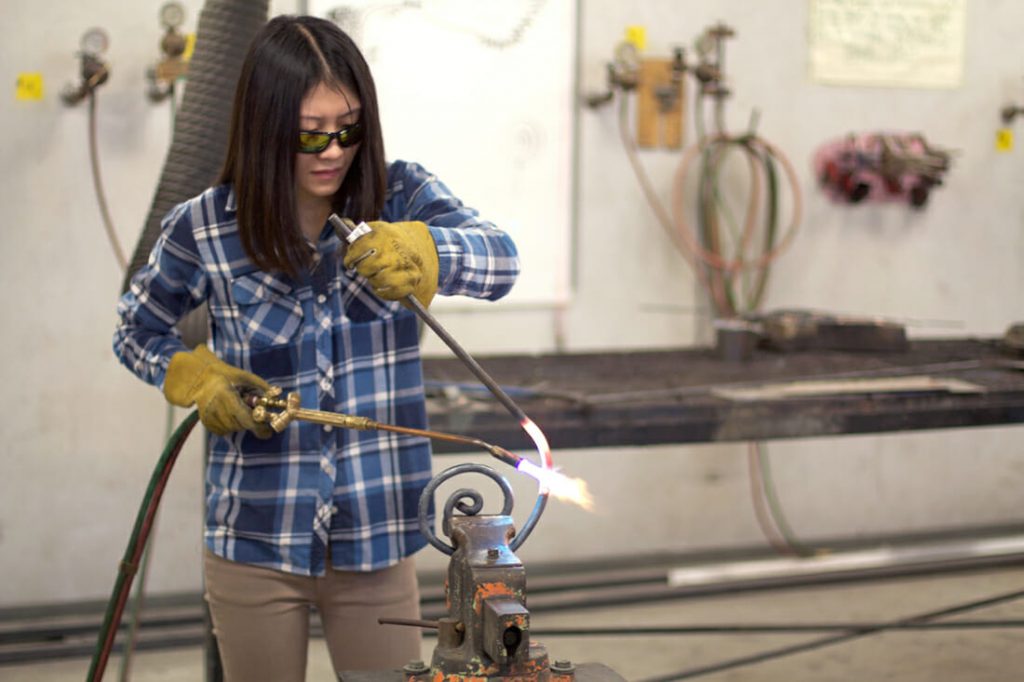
x=315 y=141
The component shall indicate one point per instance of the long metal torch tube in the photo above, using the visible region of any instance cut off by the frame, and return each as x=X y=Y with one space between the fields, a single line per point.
x=544 y=451
x=349 y=421
x=495 y=451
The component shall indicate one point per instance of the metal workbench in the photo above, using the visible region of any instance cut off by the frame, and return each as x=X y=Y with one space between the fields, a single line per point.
x=690 y=395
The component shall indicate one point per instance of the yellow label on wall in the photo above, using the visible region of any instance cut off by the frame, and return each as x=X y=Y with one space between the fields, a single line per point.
x=190 y=46
x=637 y=36
x=29 y=87
x=1004 y=140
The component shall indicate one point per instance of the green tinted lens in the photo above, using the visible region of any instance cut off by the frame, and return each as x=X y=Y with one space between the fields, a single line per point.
x=311 y=142
x=350 y=135
x=315 y=141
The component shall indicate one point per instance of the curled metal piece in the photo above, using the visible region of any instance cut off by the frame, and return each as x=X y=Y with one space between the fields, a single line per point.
x=466 y=500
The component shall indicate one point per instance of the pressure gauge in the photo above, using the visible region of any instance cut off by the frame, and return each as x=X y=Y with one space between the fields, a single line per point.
x=94 y=42
x=627 y=57
x=172 y=15
x=704 y=45
x=624 y=70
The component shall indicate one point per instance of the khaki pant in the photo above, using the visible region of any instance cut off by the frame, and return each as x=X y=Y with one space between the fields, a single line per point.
x=261 y=618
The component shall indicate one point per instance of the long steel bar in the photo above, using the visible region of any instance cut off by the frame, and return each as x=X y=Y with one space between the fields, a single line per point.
x=345 y=227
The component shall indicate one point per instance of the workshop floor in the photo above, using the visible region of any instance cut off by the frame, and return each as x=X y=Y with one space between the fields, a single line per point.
x=949 y=655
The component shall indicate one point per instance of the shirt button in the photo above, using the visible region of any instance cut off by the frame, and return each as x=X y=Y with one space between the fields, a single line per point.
x=325 y=384
x=321 y=299
x=328 y=428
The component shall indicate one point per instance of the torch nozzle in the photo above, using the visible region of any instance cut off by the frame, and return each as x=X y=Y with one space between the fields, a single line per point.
x=504 y=455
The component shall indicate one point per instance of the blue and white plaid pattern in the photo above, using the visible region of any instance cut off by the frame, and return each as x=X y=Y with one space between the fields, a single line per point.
x=277 y=502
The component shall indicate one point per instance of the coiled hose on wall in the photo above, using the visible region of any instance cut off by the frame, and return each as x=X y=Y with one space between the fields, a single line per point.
x=720 y=259
x=199 y=140
x=725 y=272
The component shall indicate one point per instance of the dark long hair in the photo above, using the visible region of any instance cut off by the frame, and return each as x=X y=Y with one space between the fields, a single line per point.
x=289 y=57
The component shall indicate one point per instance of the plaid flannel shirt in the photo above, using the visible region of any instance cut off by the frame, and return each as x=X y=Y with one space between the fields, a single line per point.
x=278 y=502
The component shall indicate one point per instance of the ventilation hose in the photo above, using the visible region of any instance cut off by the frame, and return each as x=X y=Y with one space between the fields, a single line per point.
x=224 y=32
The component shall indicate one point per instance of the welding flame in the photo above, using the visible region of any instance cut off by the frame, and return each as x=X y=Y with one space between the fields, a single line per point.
x=550 y=479
x=558 y=484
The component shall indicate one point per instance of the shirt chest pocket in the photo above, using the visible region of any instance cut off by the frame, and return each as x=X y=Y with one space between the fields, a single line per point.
x=268 y=315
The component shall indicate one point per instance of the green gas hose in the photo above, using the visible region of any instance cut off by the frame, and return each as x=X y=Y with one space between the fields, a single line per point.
x=136 y=544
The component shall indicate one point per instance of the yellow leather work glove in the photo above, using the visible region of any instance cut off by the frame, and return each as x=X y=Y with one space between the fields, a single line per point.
x=398 y=259
x=202 y=378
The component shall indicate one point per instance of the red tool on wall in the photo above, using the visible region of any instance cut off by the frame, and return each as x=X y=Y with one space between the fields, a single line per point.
x=881 y=166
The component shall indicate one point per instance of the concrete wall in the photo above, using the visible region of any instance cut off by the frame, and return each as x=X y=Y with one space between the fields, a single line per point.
x=81 y=434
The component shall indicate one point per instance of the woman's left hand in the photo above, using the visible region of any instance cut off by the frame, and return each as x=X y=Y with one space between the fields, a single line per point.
x=397 y=259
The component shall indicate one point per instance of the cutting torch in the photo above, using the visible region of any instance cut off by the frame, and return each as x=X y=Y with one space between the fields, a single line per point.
x=270 y=408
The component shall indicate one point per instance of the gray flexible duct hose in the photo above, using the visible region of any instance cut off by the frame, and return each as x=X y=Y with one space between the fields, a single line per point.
x=225 y=29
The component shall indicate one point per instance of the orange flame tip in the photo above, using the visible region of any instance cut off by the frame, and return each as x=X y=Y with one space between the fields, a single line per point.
x=564 y=488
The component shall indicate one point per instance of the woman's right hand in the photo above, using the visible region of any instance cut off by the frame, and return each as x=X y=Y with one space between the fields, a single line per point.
x=199 y=377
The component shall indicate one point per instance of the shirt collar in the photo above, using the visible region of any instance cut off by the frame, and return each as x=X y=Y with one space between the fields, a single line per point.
x=328 y=239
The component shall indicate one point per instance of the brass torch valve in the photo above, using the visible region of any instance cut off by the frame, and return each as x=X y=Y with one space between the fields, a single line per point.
x=290 y=409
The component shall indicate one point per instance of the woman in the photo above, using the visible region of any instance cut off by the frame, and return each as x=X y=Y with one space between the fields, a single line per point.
x=310 y=516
